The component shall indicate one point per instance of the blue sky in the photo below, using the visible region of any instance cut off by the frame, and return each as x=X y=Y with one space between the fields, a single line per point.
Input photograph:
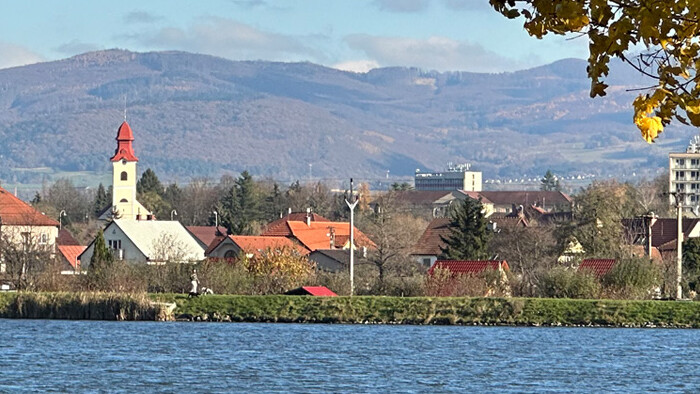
x=465 y=35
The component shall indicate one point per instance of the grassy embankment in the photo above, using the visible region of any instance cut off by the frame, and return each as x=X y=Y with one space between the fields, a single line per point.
x=382 y=310
x=426 y=310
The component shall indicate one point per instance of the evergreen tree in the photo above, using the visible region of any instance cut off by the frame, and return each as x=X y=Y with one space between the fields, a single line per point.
x=273 y=204
x=37 y=199
x=240 y=206
x=100 y=263
x=101 y=201
x=469 y=234
x=550 y=183
x=691 y=263
x=149 y=182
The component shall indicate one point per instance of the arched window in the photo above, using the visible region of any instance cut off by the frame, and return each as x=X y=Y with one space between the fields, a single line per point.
x=123 y=200
x=124 y=176
x=229 y=254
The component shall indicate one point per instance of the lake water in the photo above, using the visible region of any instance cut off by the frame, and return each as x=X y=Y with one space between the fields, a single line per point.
x=84 y=356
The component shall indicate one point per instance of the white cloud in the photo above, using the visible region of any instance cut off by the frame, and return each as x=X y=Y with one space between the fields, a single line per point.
x=76 y=47
x=141 y=17
x=12 y=55
x=438 y=53
x=231 y=39
x=357 y=66
x=402 y=5
x=413 y=6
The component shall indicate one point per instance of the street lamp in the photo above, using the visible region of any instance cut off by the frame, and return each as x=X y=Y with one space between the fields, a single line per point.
x=352 y=206
x=216 y=219
x=60 y=222
x=679 y=196
x=173 y=213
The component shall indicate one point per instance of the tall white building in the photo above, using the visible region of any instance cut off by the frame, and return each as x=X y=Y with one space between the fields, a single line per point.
x=457 y=177
x=684 y=175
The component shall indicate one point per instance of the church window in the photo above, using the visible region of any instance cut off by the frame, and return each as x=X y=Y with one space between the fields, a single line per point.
x=123 y=200
x=124 y=176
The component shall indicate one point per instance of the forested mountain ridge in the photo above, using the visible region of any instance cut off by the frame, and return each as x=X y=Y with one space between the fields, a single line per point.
x=196 y=115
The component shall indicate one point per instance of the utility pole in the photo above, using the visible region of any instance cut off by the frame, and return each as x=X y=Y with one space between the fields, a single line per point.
x=352 y=206
x=679 y=245
x=679 y=196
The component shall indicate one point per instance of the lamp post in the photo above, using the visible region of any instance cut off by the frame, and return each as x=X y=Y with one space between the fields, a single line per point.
x=173 y=213
x=679 y=196
x=216 y=219
x=60 y=221
x=352 y=206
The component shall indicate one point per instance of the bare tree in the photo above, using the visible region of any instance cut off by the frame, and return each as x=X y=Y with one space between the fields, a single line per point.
x=394 y=234
x=529 y=251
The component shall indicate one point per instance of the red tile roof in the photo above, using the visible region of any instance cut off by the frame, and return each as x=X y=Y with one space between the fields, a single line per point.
x=71 y=253
x=599 y=267
x=429 y=243
x=664 y=232
x=419 y=197
x=206 y=234
x=527 y=198
x=213 y=245
x=66 y=238
x=477 y=196
x=458 y=267
x=279 y=227
x=257 y=244
x=14 y=211
x=318 y=291
x=318 y=234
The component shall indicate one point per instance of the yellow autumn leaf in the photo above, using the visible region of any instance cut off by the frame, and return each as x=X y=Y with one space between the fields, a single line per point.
x=650 y=127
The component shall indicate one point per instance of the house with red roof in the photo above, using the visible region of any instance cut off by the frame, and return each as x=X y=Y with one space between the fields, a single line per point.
x=316 y=232
x=233 y=246
x=599 y=267
x=23 y=226
x=70 y=264
x=205 y=235
x=474 y=268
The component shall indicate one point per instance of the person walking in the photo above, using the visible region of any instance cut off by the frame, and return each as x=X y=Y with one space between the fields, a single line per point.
x=194 y=281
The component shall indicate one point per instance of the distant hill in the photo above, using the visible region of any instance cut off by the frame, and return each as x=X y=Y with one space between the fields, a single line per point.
x=197 y=115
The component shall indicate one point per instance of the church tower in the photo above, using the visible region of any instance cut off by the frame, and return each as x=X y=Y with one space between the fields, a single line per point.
x=124 y=204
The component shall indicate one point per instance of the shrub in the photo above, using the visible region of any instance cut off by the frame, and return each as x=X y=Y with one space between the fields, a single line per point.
x=560 y=282
x=632 y=278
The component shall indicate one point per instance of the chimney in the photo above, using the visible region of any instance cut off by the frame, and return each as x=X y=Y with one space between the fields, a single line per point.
x=289 y=211
x=308 y=217
x=331 y=234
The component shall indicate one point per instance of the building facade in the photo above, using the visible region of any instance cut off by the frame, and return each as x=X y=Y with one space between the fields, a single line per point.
x=457 y=177
x=684 y=176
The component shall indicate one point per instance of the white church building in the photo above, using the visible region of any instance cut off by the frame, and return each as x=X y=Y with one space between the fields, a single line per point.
x=133 y=233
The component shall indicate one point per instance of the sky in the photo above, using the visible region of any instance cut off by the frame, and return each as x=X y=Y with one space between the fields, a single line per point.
x=355 y=35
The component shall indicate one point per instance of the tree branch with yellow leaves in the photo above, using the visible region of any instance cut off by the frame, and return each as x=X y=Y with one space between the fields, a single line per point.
x=668 y=30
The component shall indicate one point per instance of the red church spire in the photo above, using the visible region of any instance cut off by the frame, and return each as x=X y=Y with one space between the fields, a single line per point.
x=124 y=149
